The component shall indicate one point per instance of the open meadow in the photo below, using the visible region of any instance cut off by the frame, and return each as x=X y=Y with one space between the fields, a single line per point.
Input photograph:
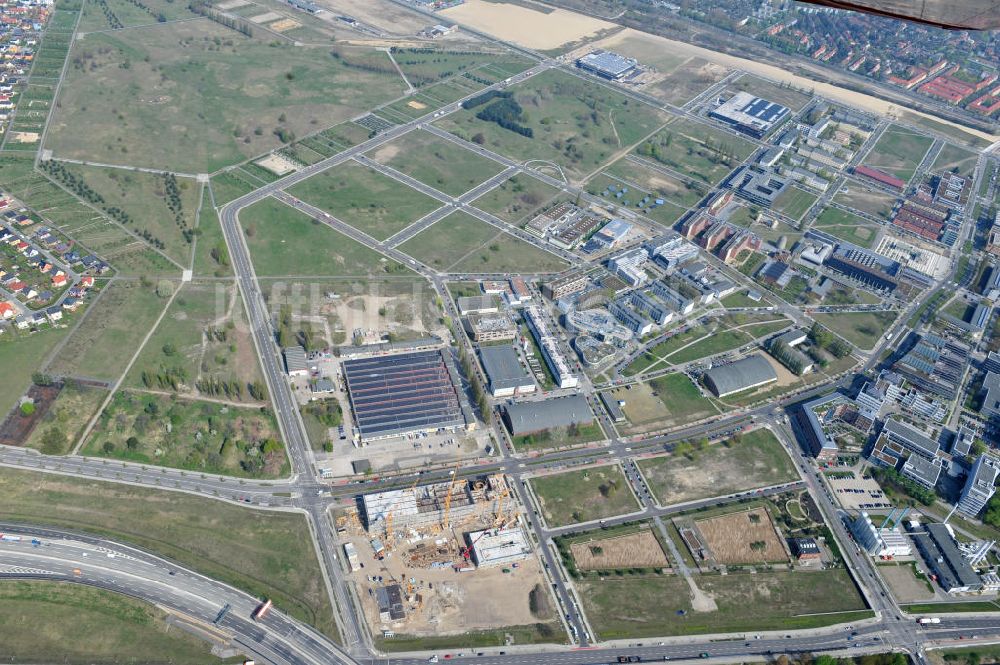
x=584 y=495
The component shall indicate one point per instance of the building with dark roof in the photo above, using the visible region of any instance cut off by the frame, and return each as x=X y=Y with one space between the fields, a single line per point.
x=529 y=417
x=406 y=393
x=295 y=361
x=810 y=429
x=760 y=186
x=504 y=371
x=944 y=560
x=750 y=372
x=750 y=115
x=934 y=365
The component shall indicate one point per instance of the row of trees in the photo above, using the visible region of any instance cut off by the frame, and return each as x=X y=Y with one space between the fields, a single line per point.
x=175 y=204
x=487 y=96
x=232 y=22
x=891 y=477
x=826 y=340
x=110 y=16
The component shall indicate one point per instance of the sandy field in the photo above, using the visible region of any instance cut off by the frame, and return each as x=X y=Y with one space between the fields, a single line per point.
x=414 y=104
x=729 y=537
x=849 y=97
x=277 y=164
x=381 y=14
x=284 y=25
x=526 y=27
x=904 y=584
x=636 y=550
x=24 y=137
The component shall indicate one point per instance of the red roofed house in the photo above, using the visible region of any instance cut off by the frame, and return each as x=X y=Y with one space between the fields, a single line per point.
x=59 y=279
x=7 y=310
x=880 y=177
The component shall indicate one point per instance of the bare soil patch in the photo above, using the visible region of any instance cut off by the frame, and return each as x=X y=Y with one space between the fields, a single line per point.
x=748 y=536
x=525 y=26
x=635 y=550
x=16 y=427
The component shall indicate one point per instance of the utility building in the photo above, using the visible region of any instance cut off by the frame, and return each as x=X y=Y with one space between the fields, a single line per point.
x=750 y=372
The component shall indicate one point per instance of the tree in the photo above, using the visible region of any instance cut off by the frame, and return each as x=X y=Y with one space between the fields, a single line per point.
x=27 y=409
x=54 y=441
x=169 y=349
x=132 y=443
x=108 y=447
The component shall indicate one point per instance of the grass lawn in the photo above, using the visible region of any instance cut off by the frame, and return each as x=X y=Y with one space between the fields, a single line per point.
x=267 y=554
x=871 y=201
x=72 y=409
x=230 y=185
x=951 y=608
x=21 y=355
x=955 y=158
x=696 y=150
x=538 y=633
x=899 y=152
x=585 y=495
x=434 y=161
x=220 y=96
x=741 y=299
x=668 y=400
x=560 y=436
x=648 y=606
x=365 y=199
x=96 y=17
x=846 y=226
x=163 y=206
x=59 y=622
x=625 y=193
x=110 y=332
x=461 y=243
x=577 y=124
x=685 y=193
x=202 y=341
x=753 y=460
x=211 y=256
x=862 y=329
x=285 y=242
x=794 y=202
x=516 y=199
x=775 y=92
x=189 y=434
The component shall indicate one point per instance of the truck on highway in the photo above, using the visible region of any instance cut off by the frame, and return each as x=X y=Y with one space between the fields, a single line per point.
x=261 y=610
x=923 y=621
x=10 y=538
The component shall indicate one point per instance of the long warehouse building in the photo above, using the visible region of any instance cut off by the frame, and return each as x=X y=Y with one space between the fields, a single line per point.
x=401 y=394
x=750 y=372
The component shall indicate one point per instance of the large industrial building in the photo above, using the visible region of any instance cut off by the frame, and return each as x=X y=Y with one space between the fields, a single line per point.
x=405 y=393
x=528 y=417
x=944 y=560
x=607 y=65
x=504 y=371
x=750 y=372
x=750 y=115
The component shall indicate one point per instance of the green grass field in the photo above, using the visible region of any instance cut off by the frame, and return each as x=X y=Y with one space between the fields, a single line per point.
x=955 y=159
x=585 y=495
x=364 y=198
x=614 y=189
x=203 y=337
x=220 y=96
x=145 y=198
x=648 y=606
x=862 y=329
x=794 y=202
x=267 y=554
x=110 y=13
x=20 y=356
x=755 y=459
x=793 y=98
x=560 y=436
x=58 y=622
x=111 y=331
x=667 y=400
x=189 y=434
x=684 y=193
x=871 y=201
x=696 y=150
x=576 y=124
x=899 y=152
x=69 y=414
x=285 y=242
x=436 y=162
x=846 y=226
x=516 y=199
x=461 y=243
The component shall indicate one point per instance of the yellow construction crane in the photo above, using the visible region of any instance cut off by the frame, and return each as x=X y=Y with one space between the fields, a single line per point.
x=388 y=518
x=500 y=517
x=447 y=500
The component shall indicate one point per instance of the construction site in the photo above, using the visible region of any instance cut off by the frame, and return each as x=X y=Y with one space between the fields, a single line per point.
x=443 y=558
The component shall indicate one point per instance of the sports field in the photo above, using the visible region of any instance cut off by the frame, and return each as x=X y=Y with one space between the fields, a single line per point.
x=436 y=162
x=364 y=198
x=660 y=605
x=755 y=459
x=574 y=123
x=461 y=243
x=285 y=242
x=585 y=495
x=194 y=96
x=899 y=152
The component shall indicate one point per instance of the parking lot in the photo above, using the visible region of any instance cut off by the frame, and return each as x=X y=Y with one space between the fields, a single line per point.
x=859 y=493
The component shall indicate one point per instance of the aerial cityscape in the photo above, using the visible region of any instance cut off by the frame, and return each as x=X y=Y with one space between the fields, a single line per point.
x=566 y=332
